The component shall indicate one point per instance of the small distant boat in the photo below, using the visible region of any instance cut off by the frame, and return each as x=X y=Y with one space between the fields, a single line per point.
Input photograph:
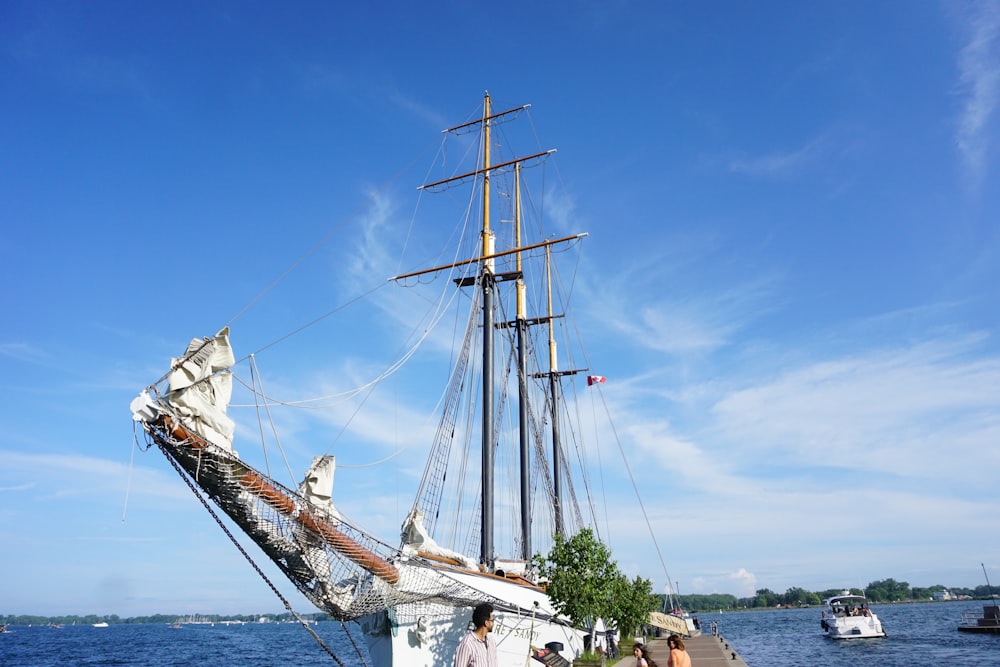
x=176 y=625
x=55 y=626
x=102 y=624
x=847 y=616
x=3 y=628
x=989 y=622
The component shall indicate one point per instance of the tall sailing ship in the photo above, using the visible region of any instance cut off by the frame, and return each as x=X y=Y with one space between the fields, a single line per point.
x=505 y=401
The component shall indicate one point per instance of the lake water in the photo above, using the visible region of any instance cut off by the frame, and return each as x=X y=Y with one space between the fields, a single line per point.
x=249 y=645
x=919 y=634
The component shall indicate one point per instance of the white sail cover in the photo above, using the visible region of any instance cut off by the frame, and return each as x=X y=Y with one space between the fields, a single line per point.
x=200 y=392
x=417 y=539
x=317 y=486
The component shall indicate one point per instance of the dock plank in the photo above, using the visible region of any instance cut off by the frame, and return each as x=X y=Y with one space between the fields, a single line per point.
x=705 y=651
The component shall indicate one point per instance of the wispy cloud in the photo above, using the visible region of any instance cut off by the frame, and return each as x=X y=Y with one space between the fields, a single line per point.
x=979 y=85
x=61 y=475
x=17 y=487
x=22 y=352
x=889 y=410
x=780 y=162
x=698 y=319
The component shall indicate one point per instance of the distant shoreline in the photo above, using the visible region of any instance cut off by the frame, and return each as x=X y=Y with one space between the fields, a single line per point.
x=319 y=617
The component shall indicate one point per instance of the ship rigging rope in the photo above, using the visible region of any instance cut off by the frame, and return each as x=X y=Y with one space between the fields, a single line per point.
x=301 y=260
x=638 y=497
x=253 y=564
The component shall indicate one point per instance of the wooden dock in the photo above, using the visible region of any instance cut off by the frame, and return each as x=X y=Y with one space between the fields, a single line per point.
x=705 y=651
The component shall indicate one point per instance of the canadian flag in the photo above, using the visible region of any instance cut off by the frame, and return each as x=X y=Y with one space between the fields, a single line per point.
x=595 y=379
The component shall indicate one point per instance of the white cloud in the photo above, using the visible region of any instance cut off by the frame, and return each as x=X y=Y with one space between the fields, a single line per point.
x=979 y=84
x=893 y=411
x=779 y=163
x=22 y=352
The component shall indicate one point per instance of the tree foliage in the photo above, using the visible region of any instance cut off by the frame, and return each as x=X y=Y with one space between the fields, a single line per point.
x=584 y=582
x=888 y=590
x=630 y=603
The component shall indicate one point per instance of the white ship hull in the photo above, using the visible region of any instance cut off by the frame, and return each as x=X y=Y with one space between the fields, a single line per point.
x=425 y=634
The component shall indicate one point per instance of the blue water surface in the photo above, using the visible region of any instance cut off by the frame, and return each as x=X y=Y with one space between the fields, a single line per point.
x=148 y=645
x=919 y=634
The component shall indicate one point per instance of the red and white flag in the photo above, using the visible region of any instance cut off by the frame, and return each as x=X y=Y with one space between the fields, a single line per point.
x=595 y=379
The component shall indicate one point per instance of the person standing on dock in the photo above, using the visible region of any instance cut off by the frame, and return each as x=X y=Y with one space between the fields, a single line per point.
x=678 y=654
x=641 y=654
x=477 y=649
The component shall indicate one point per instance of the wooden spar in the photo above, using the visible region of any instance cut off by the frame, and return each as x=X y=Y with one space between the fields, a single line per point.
x=256 y=484
x=351 y=550
x=489 y=117
x=491 y=256
x=259 y=487
x=487 y=170
x=181 y=433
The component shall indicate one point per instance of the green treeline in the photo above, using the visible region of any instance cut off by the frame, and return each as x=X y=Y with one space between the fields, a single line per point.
x=114 y=619
x=886 y=590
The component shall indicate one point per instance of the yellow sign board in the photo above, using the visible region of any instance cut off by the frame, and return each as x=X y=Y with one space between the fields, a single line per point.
x=668 y=622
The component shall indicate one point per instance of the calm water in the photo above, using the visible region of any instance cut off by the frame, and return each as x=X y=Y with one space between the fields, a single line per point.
x=250 y=645
x=919 y=634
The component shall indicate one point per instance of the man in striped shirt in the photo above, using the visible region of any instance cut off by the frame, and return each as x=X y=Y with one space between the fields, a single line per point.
x=477 y=649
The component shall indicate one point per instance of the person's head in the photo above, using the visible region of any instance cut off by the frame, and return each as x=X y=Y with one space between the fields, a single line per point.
x=674 y=641
x=482 y=616
x=639 y=650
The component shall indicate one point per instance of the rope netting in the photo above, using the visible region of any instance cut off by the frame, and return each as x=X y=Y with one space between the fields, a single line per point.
x=338 y=567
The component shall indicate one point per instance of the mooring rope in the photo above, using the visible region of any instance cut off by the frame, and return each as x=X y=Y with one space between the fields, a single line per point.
x=197 y=492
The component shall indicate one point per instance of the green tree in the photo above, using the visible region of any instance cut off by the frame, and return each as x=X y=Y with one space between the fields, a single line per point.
x=581 y=575
x=630 y=603
x=766 y=598
x=888 y=590
x=798 y=596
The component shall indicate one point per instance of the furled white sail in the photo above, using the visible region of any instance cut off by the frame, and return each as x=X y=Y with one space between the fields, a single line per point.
x=200 y=392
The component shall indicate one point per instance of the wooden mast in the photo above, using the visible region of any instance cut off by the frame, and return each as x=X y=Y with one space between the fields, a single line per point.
x=488 y=281
x=487 y=284
x=522 y=379
x=554 y=397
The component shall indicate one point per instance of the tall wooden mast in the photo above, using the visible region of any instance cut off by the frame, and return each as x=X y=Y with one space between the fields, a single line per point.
x=522 y=379
x=554 y=398
x=487 y=284
x=487 y=280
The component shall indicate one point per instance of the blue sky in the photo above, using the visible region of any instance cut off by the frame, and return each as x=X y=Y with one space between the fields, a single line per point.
x=791 y=279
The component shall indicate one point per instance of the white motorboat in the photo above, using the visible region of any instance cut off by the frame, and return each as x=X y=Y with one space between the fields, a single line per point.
x=847 y=616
